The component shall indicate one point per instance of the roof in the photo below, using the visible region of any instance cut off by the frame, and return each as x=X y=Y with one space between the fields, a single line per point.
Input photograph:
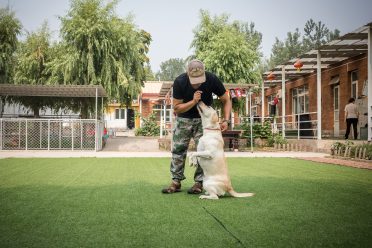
x=52 y=90
x=345 y=47
x=152 y=87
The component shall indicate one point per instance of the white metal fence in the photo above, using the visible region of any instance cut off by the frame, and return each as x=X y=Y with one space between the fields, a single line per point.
x=51 y=134
x=297 y=126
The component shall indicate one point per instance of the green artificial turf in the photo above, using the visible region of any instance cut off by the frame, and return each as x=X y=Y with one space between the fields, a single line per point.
x=117 y=202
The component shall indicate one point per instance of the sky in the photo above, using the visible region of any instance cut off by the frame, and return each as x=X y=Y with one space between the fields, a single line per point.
x=171 y=22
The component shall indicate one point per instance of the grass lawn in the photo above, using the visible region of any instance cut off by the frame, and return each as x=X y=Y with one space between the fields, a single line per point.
x=116 y=202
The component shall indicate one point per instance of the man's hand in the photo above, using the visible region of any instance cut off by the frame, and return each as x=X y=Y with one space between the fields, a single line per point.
x=197 y=96
x=224 y=125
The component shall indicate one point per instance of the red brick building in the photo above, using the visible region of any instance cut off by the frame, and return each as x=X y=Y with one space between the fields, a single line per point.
x=344 y=74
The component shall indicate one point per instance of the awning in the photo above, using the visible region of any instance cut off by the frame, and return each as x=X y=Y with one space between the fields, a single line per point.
x=345 y=47
x=334 y=80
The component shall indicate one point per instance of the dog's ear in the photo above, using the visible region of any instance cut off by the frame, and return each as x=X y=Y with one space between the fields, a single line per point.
x=214 y=118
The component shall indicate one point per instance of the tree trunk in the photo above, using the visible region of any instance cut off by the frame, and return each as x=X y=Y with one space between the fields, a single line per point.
x=36 y=112
x=84 y=111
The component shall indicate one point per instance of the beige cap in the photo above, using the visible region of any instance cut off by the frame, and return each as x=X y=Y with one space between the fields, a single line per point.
x=196 y=72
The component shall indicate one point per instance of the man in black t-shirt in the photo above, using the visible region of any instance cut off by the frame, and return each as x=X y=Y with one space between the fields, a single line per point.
x=188 y=89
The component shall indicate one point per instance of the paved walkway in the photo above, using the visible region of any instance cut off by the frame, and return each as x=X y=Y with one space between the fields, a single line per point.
x=126 y=145
x=131 y=144
x=338 y=161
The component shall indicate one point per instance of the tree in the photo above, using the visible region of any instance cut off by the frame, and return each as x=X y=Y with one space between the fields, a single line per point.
x=101 y=48
x=32 y=56
x=283 y=51
x=227 y=49
x=253 y=37
x=171 y=69
x=317 y=34
x=10 y=27
x=150 y=76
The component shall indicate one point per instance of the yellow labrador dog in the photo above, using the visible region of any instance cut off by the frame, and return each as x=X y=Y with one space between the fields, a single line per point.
x=211 y=157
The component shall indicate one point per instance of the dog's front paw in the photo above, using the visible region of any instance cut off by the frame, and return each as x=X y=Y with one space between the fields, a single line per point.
x=209 y=197
x=193 y=161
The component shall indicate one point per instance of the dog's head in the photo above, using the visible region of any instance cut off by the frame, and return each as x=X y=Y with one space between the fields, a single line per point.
x=208 y=115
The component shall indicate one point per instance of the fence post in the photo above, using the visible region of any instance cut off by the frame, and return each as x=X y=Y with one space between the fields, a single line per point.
x=346 y=151
x=298 y=126
x=26 y=136
x=72 y=135
x=1 y=134
x=364 y=153
x=41 y=134
x=60 y=134
x=48 y=134
x=81 y=135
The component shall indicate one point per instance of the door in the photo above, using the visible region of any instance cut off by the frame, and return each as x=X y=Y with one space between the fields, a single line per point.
x=336 y=110
x=130 y=118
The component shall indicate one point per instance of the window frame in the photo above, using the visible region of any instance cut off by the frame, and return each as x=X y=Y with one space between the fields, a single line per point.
x=300 y=100
x=354 y=82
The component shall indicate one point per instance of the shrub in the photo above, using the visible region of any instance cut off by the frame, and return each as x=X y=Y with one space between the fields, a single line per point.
x=339 y=145
x=258 y=130
x=149 y=127
x=261 y=131
x=276 y=139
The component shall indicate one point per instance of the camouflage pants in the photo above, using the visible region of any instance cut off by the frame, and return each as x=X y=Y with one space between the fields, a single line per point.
x=184 y=130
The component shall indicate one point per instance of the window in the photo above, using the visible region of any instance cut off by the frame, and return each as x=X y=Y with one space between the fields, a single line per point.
x=336 y=98
x=300 y=100
x=119 y=114
x=159 y=109
x=254 y=110
x=354 y=84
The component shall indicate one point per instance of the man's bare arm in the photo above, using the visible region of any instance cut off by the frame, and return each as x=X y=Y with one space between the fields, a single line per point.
x=226 y=102
x=180 y=107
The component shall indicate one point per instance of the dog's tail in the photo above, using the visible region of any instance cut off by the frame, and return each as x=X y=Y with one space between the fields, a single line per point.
x=236 y=194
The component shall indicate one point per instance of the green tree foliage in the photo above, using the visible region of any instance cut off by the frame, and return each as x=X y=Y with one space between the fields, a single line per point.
x=295 y=44
x=10 y=27
x=283 y=51
x=171 y=69
x=228 y=49
x=317 y=34
x=253 y=37
x=98 y=47
x=32 y=56
x=150 y=76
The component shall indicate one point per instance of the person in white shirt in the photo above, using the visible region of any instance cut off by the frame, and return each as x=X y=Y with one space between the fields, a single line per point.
x=351 y=118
